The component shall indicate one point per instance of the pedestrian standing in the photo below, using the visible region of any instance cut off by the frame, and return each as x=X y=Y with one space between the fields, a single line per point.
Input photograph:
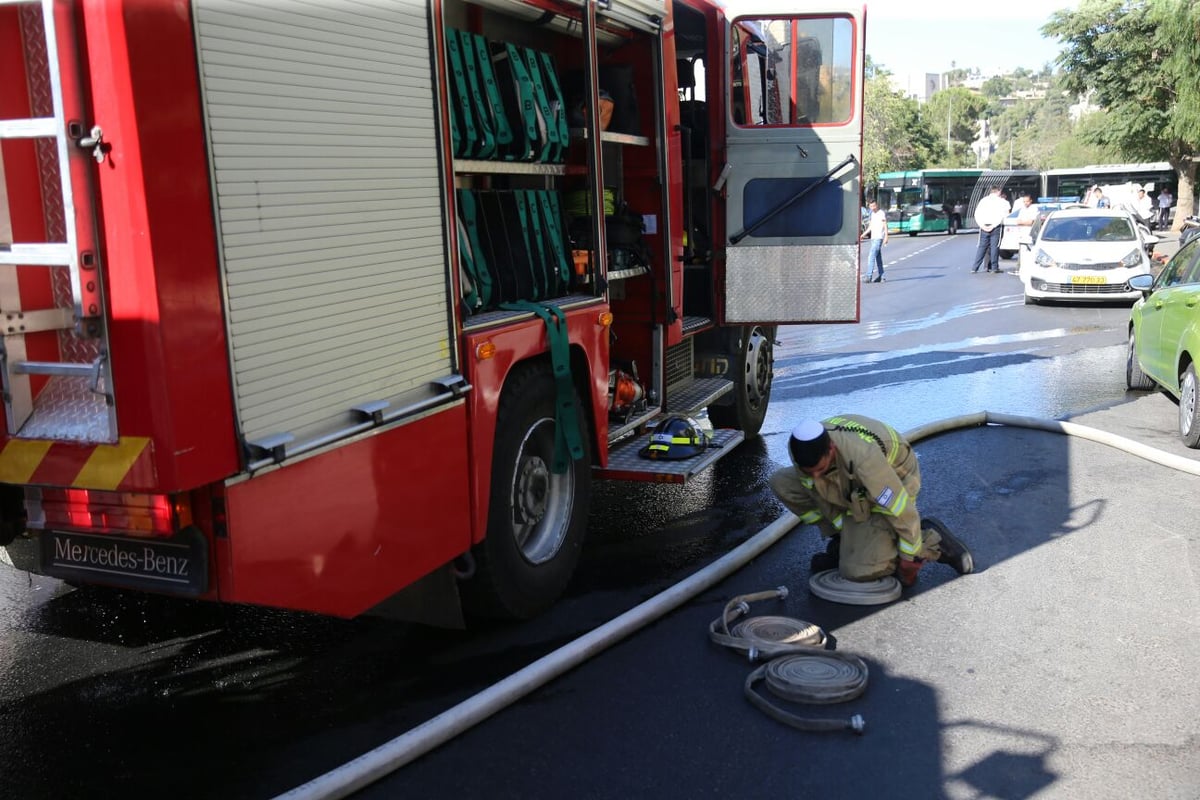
x=989 y=216
x=878 y=231
x=1145 y=211
x=1165 y=201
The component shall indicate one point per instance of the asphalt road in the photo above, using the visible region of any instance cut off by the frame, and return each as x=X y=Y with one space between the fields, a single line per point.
x=1063 y=669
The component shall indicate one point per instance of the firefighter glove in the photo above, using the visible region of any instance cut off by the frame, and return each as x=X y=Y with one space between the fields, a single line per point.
x=907 y=569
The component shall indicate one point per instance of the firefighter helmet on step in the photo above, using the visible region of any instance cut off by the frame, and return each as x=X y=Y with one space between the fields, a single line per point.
x=675 y=438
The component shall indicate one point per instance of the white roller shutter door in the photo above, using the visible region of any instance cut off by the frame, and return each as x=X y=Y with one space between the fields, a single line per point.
x=322 y=139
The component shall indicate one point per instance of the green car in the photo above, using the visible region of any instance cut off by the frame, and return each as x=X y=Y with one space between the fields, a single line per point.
x=1164 y=336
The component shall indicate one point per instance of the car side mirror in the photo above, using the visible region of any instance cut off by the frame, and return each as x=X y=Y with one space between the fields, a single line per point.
x=1151 y=239
x=1142 y=283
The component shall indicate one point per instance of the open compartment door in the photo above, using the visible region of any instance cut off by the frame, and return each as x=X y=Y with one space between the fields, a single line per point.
x=792 y=177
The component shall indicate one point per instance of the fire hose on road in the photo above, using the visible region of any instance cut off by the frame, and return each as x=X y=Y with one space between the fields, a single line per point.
x=407 y=747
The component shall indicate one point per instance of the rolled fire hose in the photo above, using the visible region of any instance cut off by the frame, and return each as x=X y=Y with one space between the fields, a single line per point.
x=800 y=670
x=765 y=636
x=390 y=756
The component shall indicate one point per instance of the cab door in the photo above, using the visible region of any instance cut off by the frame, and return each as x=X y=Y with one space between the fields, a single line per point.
x=792 y=178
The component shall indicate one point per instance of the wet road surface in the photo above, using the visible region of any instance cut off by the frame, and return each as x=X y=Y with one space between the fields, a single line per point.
x=1062 y=669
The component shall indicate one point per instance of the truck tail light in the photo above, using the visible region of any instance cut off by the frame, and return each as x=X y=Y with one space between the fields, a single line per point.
x=107 y=512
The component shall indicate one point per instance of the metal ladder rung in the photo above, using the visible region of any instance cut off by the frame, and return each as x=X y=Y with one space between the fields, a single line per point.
x=55 y=368
x=32 y=321
x=28 y=128
x=37 y=255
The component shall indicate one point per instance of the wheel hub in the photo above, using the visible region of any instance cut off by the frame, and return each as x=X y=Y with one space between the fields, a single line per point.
x=1187 y=403
x=533 y=490
x=758 y=366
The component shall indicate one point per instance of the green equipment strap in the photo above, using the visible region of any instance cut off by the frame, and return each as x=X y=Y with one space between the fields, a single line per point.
x=483 y=277
x=568 y=445
x=537 y=233
x=557 y=102
x=486 y=145
x=467 y=271
x=547 y=130
x=528 y=109
x=487 y=74
x=552 y=208
x=460 y=96
x=536 y=279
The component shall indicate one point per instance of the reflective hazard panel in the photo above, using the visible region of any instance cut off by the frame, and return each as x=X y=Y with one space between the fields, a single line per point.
x=792 y=180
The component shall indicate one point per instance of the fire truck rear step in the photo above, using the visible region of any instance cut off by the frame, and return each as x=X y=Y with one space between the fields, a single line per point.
x=624 y=463
x=75 y=404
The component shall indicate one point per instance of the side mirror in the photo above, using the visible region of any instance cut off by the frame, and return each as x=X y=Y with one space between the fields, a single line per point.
x=1151 y=239
x=1142 y=283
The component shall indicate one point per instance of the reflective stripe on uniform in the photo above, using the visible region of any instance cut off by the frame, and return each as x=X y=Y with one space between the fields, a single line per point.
x=809 y=517
x=837 y=521
x=908 y=548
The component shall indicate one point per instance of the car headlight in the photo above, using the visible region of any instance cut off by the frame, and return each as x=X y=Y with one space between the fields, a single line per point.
x=1132 y=259
x=1043 y=259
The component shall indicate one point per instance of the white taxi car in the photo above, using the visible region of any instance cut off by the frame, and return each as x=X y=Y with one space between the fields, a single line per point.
x=1085 y=254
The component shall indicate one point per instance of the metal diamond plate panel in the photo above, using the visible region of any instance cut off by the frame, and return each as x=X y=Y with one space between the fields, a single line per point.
x=624 y=463
x=803 y=283
x=68 y=410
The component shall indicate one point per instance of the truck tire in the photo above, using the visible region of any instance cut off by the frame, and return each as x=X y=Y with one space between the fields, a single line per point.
x=753 y=372
x=536 y=519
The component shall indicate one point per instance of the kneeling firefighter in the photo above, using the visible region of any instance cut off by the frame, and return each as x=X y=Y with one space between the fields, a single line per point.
x=857 y=480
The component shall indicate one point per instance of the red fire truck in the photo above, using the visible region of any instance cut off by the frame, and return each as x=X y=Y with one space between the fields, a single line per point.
x=342 y=306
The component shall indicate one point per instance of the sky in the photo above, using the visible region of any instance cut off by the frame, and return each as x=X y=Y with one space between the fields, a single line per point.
x=912 y=37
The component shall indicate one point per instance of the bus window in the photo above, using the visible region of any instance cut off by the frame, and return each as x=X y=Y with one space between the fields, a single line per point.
x=794 y=71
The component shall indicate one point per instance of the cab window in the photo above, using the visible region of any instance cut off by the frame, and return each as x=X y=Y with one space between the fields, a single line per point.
x=791 y=72
x=1173 y=272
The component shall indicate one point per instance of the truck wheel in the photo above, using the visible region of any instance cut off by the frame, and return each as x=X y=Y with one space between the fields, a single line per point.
x=755 y=370
x=536 y=519
x=1134 y=377
x=1189 y=408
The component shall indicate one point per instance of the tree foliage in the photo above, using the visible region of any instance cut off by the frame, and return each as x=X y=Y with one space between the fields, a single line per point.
x=1138 y=60
x=951 y=118
x=893 y=136
x=996 y=86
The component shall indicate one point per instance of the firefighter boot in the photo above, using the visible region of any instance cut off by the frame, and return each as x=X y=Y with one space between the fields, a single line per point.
x=953 y=551
x=829 y=559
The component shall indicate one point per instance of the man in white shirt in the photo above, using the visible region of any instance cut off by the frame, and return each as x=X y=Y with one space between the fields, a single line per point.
x=878 y=231
x=989 y=216
x=1027 y=211
x=1165 y=201
x=1143 y=206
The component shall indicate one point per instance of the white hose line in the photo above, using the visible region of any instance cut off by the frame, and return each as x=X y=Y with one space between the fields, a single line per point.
x=390 y=756
x=1181 y=463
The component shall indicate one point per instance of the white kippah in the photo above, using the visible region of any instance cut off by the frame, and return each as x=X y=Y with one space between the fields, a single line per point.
x=808 y=431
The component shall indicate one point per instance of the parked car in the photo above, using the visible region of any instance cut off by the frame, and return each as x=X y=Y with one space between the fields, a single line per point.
x=1164 y=336
x=1013 y=235
x=1085 y=254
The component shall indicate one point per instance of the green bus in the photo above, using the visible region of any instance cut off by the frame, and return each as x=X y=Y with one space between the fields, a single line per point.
x=944 y=200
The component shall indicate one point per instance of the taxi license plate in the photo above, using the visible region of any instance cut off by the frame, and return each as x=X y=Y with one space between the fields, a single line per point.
x=178 y=565
x=1087 y=279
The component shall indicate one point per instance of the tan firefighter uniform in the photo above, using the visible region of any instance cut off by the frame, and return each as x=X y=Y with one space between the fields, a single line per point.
x=869 y=496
